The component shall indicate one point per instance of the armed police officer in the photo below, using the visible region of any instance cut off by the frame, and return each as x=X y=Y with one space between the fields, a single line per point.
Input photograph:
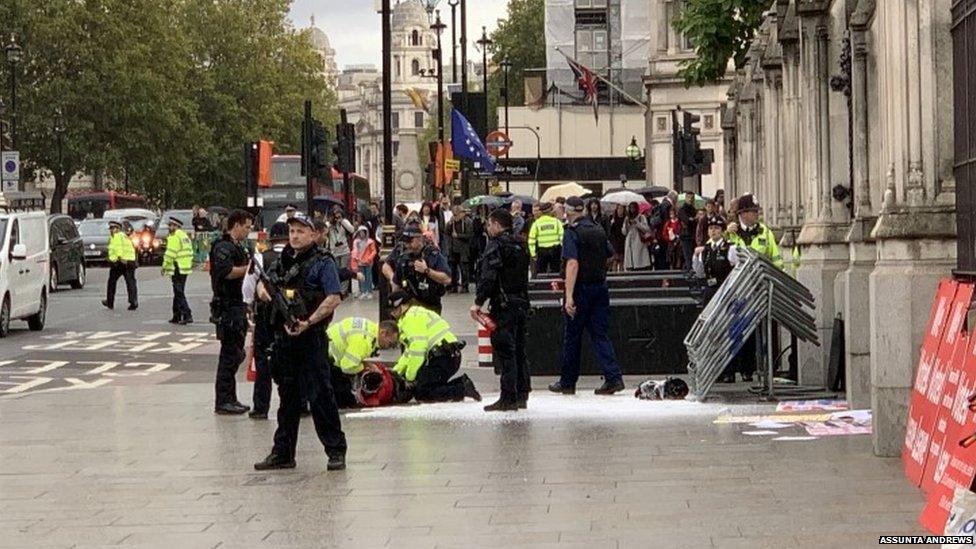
x=586 y=251
x=229 y=264
x=417 y=268
x=177 y=264
x=303 y=285
x=263 y=316
x=431 y=353
x=504 y=280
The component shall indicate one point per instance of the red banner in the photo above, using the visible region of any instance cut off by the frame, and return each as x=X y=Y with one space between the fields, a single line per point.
x=923 y=411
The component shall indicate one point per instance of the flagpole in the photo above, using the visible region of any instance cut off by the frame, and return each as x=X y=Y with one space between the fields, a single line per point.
x=604 y=80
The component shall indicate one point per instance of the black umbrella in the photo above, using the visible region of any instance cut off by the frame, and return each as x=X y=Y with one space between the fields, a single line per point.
x=654 y=191
x=324 y=204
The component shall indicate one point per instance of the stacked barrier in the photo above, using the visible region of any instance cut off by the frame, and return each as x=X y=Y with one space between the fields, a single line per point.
x=755 y=296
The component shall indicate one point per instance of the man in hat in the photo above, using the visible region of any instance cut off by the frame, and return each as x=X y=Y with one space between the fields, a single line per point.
x=586 y=251
x=431 y=353
x=177 y=264
x=308 y=280
x=715 y=259
x=418 y=268
x=753 y=233
x=545 y=241
x=122 y=264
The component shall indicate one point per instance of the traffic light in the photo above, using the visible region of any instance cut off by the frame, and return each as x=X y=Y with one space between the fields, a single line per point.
x=264 y=154
x=318 y=148
x=345 y=148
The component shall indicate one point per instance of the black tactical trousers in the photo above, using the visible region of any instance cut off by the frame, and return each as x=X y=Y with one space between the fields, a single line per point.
x=263 y=337
x=232 y=332
x=549 y=260
x=434 y=383
x=125 y=270
x=508 y=344
x=302 y=369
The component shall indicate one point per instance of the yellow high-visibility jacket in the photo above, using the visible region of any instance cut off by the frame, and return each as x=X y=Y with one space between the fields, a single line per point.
x=546 y=232
x=179 y=253
x=763 y=243
x=421 y=330
x=351 y=341
x=120 y=248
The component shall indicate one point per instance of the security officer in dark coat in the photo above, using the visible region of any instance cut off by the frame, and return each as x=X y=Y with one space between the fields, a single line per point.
x=587 y=301
x=304 y=281
x=229 y=263
x=417 y=268
x=504 y=279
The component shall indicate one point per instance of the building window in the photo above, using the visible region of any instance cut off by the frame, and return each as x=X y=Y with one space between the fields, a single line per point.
x=415 y=39
x=396 y=63
x=591 y=47
x=415 y=67
x=662 y=124
x=709 y=121
x=396 y=121
x=418 y=119
x=588 y=4
x=396 y=149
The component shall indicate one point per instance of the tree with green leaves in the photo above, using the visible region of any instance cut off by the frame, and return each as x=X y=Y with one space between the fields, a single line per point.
x=719 y=30
x=519 y=38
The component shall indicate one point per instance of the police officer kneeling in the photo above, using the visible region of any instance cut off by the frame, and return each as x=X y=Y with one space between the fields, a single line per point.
x=504 y=280
x=418 y=269
x=308 y=280
x=431 y=353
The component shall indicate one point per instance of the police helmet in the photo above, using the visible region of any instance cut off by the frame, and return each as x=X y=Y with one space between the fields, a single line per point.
x=675 y=388
x=397 y=299
x=717 y=220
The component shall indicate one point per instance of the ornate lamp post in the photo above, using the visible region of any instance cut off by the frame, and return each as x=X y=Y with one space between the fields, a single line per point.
x=454 y=64
x=485 y=43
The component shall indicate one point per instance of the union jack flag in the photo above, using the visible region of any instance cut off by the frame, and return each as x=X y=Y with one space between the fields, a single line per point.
x=587 y=82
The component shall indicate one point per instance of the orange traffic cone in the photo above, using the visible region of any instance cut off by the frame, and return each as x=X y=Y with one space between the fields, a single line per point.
x=252 y=371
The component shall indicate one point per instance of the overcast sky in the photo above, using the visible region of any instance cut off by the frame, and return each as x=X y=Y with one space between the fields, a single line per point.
x=353 y=26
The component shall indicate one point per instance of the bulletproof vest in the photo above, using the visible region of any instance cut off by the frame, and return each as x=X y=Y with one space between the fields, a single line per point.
x=515 y=266
x=303 y=297
x=592 y=252
x=716 y=262
x=417 y=285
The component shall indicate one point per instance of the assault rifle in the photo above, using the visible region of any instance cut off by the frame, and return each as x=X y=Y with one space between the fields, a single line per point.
x=278 y=301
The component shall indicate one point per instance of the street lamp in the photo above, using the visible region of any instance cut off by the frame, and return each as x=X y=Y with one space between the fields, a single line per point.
x=439 y=27
x=485 y=42
x=454 y=5
x=633 y=151
x=430 y=6
x=506 y=66
x=13 y=52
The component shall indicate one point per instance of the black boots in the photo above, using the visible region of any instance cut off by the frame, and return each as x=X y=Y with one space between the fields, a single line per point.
x=336 y=463
x=231 y=409
x=609 y=388
x=469 y=389
x=274 y=461
x=557 y=387
x=503 y=405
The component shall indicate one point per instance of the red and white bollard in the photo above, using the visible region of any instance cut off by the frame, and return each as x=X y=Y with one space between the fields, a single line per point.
x=484 y=347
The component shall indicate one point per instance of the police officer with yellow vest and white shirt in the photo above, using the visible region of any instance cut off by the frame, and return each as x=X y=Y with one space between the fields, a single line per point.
x=545 y=241
x=431 y=353
x=177 y=264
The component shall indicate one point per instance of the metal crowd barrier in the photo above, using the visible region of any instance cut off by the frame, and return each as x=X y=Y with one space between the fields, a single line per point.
x=753 y=298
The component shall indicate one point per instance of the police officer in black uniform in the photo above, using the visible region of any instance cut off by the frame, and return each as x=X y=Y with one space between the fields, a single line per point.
x=586 y=251
x=714 y=262
x=504 y=280
x=417 y=268
x=263 y=330
x=229 y=263
x=305 y=281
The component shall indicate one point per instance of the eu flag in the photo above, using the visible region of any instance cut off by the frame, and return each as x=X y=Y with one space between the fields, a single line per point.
x=467 y=144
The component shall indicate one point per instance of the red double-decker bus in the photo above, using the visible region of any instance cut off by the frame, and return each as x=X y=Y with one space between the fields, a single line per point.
x=94 y=204
x=288 y=187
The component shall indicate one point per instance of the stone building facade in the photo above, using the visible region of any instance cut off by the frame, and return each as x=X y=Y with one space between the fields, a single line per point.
x=856 y=166
x=361 y=95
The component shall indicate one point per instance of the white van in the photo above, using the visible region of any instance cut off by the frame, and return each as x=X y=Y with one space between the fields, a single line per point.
x=25 y=261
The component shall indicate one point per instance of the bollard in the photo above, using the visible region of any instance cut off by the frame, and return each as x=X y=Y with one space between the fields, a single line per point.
x=485 y=351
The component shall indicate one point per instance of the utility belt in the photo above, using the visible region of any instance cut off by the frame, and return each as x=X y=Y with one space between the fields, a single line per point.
x=445 y=349
x=229 y=316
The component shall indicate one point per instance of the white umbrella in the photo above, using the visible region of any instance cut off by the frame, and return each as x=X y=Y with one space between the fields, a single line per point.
x=565 y=190
x=623 y=197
